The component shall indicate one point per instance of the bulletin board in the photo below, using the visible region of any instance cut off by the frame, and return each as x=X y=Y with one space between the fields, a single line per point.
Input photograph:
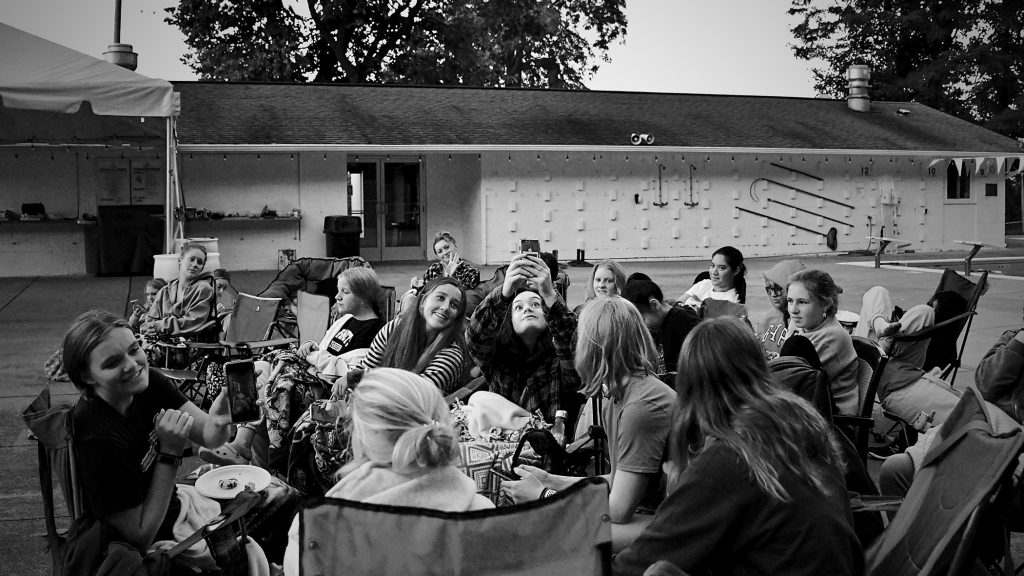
x=147 y=182
x=112 y=183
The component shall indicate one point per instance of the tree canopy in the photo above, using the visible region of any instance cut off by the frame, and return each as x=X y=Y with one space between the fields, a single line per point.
x=964 y=57
x=525 y=43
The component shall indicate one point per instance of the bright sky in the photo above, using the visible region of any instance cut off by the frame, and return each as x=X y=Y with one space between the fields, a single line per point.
x=694 y=46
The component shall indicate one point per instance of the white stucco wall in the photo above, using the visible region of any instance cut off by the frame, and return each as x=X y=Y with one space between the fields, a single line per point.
x=452 y=190
x=602 y=203
x=66 y=183
x=245 y=183
x=605 y=204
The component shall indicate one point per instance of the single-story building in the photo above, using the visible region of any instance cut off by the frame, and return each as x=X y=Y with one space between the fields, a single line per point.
x=620 y=175
x=768 y=175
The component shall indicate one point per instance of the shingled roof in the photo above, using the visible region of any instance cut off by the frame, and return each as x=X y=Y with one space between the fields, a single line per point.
x=356 y=115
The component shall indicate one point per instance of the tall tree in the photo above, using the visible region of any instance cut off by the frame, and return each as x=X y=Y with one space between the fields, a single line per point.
x=960 y=56
x=531 y=43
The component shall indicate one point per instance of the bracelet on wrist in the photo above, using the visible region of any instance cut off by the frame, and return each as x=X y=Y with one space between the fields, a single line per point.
x=547 y=493
x=165 y=458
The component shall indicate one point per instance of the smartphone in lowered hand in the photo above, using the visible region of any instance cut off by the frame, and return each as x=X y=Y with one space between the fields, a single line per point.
x=529 y=246
x=240 y=376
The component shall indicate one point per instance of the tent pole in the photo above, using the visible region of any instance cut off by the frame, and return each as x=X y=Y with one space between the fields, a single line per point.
x=169 y=196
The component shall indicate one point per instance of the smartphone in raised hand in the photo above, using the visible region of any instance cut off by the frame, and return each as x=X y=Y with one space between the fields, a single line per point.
x=240 y=376
x=529 y=246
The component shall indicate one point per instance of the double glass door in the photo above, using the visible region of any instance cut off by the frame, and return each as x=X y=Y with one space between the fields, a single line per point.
x=386 y=196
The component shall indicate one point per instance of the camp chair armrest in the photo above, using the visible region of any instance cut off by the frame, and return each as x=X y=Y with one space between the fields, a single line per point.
x=873 y=503
x=259 y=344
x=466 y=391
x=857 y=421
x=931 y=330
x=176 y=374
x=204 y=326
x=232 y=512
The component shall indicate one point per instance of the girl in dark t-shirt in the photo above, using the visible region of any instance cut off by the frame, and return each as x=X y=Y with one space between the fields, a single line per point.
x=130 y=426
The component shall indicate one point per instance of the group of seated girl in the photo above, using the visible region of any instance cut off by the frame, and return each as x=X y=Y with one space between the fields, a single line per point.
x=785 y=489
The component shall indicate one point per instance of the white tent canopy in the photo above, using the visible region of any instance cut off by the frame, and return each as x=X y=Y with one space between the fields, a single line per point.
x=36 y=74
x=43 y=87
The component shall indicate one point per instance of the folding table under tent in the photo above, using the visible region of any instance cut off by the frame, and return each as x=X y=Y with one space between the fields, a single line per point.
x=52 y=96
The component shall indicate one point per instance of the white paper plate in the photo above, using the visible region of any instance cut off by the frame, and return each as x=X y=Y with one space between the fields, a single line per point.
x=847 y=317
x=214 y=484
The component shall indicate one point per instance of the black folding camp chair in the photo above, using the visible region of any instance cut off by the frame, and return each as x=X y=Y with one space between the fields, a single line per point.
x=568 y=533
x=955 y=301
x=967 y=471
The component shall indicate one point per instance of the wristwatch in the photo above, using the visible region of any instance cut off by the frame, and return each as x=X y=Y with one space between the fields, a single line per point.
x=165 y=458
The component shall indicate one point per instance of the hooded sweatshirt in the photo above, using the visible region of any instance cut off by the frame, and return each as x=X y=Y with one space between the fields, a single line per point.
x=445 y=488
x=771 y=329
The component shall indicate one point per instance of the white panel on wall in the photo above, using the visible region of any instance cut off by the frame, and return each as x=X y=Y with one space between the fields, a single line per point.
x=581 y=244
x=764 y=222
x=705 y=203
x=736 y=213
x=512 y=186
x=821 y=184
x=511 y=225
x=613 y=195
x=613 y=214
x=579 y=185
x=846 y=193
x=512 y=206
x=735 y=194
x=546 y=195
x=792 y=212
x=546 y=236
x=612 y=233
x=705 y=241
x=923 y=185
x=821 y=203
x=921 y=218
x=821 y=221
x=547 y=215
x=921 y=236
x=675 y=232
x=645 y=223
x=547 y=176
x=764 y=203
x=579 y=205
x=848 y=211
x=675 y=190
x=707 y=183
x=645 y=243
x=871 y=202
x=848 y=230
x=735 y=231
x=675 y=213
x=579 y=224
x=792 y=230
x=792 y=194
x=706 y=222
x=764 y=239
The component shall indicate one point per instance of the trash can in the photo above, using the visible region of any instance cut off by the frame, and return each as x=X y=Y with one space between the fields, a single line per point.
x=342 y=235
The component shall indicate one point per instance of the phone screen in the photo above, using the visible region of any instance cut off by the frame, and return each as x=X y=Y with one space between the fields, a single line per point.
x=240 y=376
x=529 y=246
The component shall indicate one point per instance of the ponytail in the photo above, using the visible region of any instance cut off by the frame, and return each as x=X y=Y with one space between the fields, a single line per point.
x=425 y=447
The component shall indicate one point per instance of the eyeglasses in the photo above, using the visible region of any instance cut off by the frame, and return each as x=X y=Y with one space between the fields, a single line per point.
x=774 y=290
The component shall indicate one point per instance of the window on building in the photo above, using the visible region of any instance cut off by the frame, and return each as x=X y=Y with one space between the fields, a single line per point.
x=958 y=185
